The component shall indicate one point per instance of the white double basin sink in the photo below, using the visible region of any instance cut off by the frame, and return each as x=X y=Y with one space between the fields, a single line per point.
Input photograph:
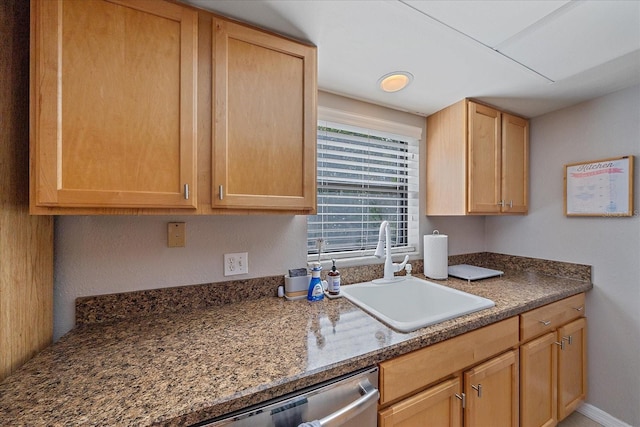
x=407 y=304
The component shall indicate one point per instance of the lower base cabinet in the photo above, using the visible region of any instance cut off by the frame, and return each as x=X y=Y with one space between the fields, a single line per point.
x=491 y=393
x=466 y=380
x=489 y=377
x=487 y=395
x=572 y=367
x=553 y=368
x=538 y=379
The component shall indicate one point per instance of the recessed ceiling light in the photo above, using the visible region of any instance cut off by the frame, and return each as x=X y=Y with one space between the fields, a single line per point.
x=395 y=81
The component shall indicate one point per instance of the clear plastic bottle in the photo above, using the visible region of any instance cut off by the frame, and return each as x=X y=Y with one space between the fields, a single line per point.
x=333 y=280
x=316 y=291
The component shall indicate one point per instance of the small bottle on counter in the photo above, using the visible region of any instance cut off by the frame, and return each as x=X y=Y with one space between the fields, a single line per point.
x=316 y=291
x=333 y=280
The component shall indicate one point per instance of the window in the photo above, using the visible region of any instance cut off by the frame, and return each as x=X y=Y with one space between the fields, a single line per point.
x=367 y=173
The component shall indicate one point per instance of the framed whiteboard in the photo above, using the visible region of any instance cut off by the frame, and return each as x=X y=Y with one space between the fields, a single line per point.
x=599 y=188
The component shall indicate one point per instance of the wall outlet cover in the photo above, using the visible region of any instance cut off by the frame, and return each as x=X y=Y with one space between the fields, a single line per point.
x=237 y=263
x=176 y=234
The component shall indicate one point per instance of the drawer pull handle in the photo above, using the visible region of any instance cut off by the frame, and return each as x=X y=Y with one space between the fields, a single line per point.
x=477 y=388
x=568 y=339
x=578 y=308
x=463 y=398
x=545 y=322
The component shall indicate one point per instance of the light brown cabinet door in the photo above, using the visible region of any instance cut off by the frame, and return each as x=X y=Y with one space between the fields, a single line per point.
x=538 y=378
x=491 y=391
x=572 y=367
x=264 y=120
x=437 y=406
x=515 y=164
x=113 y=104
x=484 y=159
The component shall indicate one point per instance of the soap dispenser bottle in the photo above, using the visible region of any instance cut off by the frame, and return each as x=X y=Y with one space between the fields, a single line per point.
x=316 y=291
x=333 y=280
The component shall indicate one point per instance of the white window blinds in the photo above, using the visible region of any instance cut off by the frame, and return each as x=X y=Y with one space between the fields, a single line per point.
x=365 y=175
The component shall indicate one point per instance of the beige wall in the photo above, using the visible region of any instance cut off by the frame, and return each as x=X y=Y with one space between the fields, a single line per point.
x=605 y=127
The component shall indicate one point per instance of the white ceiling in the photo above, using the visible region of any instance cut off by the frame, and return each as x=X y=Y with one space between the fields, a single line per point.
x=529 y=57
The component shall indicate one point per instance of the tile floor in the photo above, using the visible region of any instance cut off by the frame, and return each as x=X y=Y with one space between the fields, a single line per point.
x=578 y=420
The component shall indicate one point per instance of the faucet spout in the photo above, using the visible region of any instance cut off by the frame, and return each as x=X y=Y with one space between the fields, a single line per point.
x=381 y=242
x=384 y=249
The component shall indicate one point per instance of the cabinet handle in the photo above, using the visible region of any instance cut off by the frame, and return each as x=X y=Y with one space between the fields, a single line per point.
x=463 y=398
x=578 y=308
x=545 y=322
x=500 y=203
x=220 y=192
x=511 y=203
x=477 y=388
x=561 y=344
x=186 y=191
x=568 y=339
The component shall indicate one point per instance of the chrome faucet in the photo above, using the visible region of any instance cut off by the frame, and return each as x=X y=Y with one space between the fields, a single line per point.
x=384 y=241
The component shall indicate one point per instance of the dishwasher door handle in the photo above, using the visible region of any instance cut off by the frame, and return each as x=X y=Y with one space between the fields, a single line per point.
x=355 y=408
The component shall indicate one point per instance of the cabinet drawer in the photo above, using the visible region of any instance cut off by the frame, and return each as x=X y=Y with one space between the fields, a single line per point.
x=406 y=374
x=550 y=317
x=429 y=407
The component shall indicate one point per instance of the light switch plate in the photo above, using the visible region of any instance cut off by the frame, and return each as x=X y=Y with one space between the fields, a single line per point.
x=176 y=234
x=237 y=263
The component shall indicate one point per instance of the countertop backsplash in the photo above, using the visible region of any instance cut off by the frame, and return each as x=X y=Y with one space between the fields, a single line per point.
x=120 y=306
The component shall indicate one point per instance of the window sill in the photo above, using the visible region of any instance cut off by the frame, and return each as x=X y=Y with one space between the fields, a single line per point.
x=354 y=259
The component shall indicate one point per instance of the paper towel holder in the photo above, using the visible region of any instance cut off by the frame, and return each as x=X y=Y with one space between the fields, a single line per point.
x=435 y=255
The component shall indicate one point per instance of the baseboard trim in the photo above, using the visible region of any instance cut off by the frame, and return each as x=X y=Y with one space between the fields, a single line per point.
x=600 y=416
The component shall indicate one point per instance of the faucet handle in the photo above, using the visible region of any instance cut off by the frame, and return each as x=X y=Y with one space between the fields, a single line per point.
x=399 y=267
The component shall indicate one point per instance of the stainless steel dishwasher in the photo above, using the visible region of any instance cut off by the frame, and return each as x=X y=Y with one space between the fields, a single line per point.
x=349 y=401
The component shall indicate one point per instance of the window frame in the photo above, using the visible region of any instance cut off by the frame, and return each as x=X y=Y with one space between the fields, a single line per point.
x=357 y=122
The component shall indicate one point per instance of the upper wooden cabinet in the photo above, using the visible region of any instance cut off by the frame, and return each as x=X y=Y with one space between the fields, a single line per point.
x=113 y=104
x=153 y=107
x=477 y=161
x=264 y=145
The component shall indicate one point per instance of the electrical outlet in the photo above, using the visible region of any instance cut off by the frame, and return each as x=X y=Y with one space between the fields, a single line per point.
x=237 y=263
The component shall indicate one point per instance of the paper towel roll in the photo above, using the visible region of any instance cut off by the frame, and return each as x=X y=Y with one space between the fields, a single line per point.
x=436 y=254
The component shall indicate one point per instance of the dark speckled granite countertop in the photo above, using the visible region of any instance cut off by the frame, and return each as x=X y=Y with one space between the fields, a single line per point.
x=177 y=368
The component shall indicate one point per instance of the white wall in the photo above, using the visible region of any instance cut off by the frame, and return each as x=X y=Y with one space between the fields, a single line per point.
x=605 y=127
x=97 y=255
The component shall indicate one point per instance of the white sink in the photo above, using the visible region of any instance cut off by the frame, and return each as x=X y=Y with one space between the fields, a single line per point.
x=412 y=303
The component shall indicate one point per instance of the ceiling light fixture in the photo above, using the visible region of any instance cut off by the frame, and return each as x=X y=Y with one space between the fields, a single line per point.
x=395 y=81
